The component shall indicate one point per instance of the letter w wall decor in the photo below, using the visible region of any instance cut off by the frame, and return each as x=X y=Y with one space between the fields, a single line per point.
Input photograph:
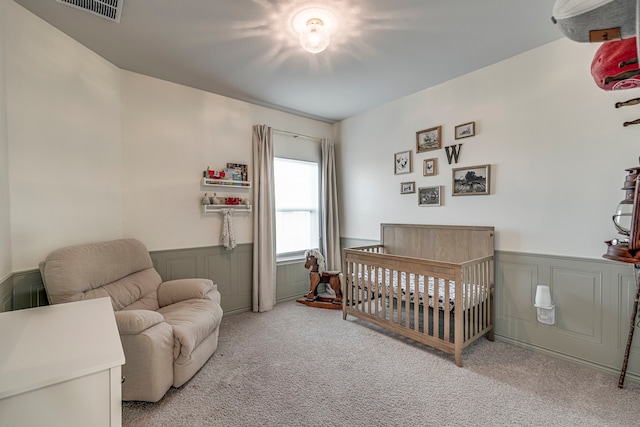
x=453 y=152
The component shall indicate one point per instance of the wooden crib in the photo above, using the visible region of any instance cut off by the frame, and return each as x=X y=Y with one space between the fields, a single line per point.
x=431 y=283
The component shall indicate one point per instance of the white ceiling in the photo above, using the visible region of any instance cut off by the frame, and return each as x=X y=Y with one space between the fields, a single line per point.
x=382 y=49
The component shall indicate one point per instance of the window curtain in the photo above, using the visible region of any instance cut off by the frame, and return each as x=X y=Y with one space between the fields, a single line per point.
x=264 y=233
x=330 y=219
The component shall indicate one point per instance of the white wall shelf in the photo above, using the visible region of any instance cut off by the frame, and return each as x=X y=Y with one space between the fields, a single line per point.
x=227 y=183
x=218 y=208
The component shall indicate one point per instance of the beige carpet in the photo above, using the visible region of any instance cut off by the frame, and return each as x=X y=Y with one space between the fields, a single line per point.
x=304 y=366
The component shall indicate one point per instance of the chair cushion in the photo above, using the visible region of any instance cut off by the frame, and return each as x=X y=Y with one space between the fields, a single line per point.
x=69 y=272
x=132 y=322
x=137 y=291
x=174 y=291
x=192 y=321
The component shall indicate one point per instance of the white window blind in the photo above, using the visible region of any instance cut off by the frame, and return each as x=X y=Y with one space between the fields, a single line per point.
x=297 y=206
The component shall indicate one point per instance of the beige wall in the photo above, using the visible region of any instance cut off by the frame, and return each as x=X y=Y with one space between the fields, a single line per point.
x=555 y=142
x=171 y=133
x=64 y=137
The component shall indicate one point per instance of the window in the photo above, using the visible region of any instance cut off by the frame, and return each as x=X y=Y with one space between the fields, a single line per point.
x=297 y=207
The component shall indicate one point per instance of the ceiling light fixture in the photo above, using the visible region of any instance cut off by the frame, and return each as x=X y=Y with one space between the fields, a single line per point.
x=314 y=38
x=314 y=27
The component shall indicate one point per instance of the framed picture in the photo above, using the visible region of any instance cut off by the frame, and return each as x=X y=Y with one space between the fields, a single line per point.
x=407 y=187
x=472 y=180
x=428 y=139
x=402 y=162
x=466 y=130
x=430 y=196
x=430 y=167
x=240 y=171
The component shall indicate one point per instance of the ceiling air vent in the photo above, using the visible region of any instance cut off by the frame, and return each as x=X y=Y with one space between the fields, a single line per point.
x=108 y=9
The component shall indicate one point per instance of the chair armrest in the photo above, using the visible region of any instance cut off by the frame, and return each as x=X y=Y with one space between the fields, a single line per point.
x=132 y=322
x=183 y=289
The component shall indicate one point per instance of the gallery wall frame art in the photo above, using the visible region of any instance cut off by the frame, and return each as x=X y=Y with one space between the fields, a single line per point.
x=430 y=167
x=465 y=130
x=471 y=180
x=429 y=139
x=430 y=196
x=402 y=161
x=407 y=187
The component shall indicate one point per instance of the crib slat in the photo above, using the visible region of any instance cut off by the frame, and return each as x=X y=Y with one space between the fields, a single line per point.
x=469 y=290
x=398 y=294
x=472 y=311
x=366 y=289
x=477 y=302
x=361 y=285
x=416 y=303
x=486 y=296
x=376 y=290
x=487 y=284
x=480 y=280
x=435 y=312
x=376 y=271
x=476 y=310
x=348 y=283
x=407 y=298
x=384 y=300
x=354 y=285
x=372 y=290
x=471 y=285
x=447 y=309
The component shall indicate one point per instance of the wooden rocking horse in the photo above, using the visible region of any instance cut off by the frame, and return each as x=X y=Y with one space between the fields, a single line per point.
x=331 y=297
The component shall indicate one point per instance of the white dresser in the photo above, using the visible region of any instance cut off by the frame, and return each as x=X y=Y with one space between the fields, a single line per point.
x=60 y=365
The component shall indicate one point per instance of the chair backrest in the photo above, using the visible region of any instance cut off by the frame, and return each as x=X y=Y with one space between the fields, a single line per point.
x=120 y=269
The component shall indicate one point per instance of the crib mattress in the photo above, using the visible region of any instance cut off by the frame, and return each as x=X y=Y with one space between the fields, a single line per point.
x=392 y=280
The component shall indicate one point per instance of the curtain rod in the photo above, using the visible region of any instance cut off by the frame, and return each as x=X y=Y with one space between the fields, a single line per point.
x=298 y=135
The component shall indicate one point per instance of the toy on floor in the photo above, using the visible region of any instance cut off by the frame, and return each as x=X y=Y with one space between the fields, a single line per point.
x=331 y=296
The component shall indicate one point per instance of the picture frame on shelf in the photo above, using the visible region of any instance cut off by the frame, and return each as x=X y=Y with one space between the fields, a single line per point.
x=241 y=171
x=471 y=180
x=430 y=196
x=430 y=167
x=407 y=187
x=465 y=130
x=429 y=139
x=402 y=161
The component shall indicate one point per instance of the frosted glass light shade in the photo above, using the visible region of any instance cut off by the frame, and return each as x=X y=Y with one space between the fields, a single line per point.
x=622 y=218
x=314 y=37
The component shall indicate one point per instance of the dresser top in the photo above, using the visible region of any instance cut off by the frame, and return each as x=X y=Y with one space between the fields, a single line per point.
x=47 y=345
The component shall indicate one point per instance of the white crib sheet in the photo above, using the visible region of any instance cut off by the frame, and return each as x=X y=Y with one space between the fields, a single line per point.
x=470 y=296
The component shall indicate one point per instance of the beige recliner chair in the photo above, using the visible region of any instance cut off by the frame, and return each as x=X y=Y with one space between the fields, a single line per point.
x=168 y=329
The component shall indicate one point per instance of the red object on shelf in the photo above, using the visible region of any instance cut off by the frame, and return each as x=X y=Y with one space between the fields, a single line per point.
x=215 y=174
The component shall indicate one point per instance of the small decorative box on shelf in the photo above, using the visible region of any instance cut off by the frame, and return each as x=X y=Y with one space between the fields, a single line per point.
x=208 y=182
